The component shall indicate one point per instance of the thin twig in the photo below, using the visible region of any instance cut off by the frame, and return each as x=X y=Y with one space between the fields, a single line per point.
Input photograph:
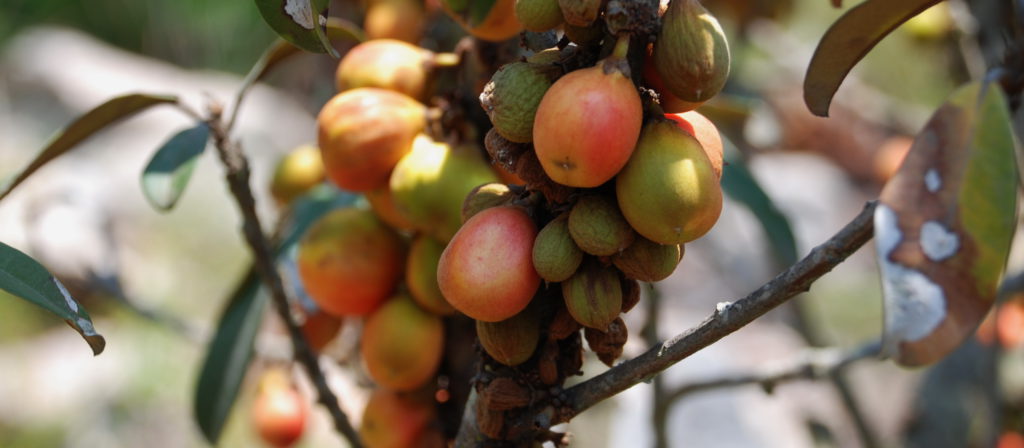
x=727 y=318
x=812 y=364
x=237 y=166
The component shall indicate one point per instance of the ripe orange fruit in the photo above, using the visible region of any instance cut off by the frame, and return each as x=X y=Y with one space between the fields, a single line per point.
x=279 y=411
x=402 y=344
x=349 y=261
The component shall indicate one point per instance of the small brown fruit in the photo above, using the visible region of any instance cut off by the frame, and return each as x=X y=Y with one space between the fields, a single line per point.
x=512 y=96
x=648 y=261
x=607 y=345
x=691 y=53
x=598 y=227
x=580 y=12
x=513 y=340
x=483 y=197
x=593 y=295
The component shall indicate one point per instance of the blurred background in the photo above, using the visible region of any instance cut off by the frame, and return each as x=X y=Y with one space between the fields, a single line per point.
x=86 y=219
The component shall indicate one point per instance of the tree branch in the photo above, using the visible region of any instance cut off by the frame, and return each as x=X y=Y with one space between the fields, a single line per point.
x=727 y=318
x=812 y=364
x=237 y=167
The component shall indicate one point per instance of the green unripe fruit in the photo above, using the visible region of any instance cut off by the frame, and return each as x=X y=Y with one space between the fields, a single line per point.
x=691 y=54
x=512 y=96
x=421 y=275
x=593 y=295
x=429 y=184
x=538 y=15
x=483 y=197
x=513 y=340
x=648 y=261
x=598 y=227
x=555 y=255
x=668 y=190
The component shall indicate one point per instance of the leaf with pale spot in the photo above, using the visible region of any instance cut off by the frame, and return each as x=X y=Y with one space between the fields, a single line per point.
x=24 y=277
x=300 y=22
x=944 y=226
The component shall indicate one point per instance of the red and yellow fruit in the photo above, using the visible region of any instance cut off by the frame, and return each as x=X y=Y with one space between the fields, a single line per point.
x=279 y=412
x=320 y=328
x=486 y=272
x=396 y=420
x=402 y=344
x=350 y=262
x=364 y=132
x=706 y=134
x=387 y=64
x=588 y=121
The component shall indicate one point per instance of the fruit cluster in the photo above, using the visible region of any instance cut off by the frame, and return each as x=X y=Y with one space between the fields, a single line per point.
x=592 y=188
x=623 y=186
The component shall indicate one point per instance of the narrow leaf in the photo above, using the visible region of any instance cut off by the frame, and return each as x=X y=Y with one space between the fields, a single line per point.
x=300 y=22
x=85 y=126
x=228 y=356
x=230 y=353
x=281 y=50
x=170 y=169
x=847 y=41
x=24 y=277
x=740 y=185
x=944 y=226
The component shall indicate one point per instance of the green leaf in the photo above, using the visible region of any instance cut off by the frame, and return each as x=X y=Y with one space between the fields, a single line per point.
x=740 y=185
x=24 y=277
x=281 y=50
x=847 y=41
x=299 y=22
x=170 y=169
x=85 y=126
x=228 y=356
x=230 y=352
x=944 y=225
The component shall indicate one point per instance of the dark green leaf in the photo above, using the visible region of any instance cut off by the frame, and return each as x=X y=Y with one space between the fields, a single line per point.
x=847 y=41
x=85 y=126
x=167 y=174
x=230 y=352
x=228 y=356
x=24 y=277
x=298 y=22
x=740 y=185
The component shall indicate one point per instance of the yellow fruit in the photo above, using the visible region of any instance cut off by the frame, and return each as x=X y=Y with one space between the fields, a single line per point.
x=387 y=64
x=668 y=192
x=431 y=182
x=296 y=173
x=421 y=275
